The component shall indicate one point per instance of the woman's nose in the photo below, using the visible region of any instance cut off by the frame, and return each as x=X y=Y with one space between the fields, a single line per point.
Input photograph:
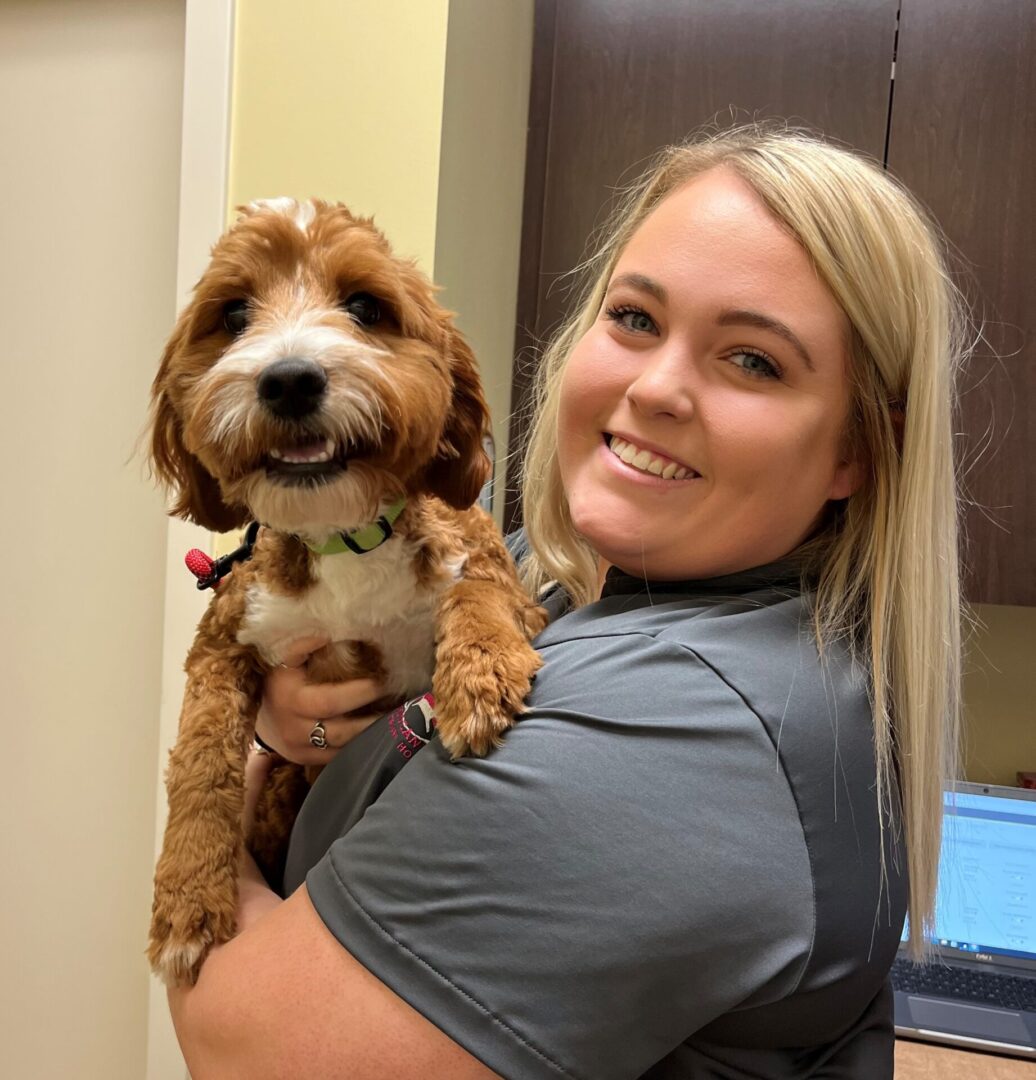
x=663 y=387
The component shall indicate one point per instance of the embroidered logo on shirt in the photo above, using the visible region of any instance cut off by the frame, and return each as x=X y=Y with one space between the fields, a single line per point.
x=413 y=724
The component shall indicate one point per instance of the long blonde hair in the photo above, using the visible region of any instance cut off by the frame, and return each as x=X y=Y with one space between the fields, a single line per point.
x=885 y=563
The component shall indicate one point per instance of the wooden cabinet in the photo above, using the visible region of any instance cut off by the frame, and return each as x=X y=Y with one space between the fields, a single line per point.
x=613 y=80
x=963 y=139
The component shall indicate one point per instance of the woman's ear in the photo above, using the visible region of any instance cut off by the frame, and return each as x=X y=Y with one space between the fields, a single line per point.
x=852 y=471
x=461 y=465
x=848 y=479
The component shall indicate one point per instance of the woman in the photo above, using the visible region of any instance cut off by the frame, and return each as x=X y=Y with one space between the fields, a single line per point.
x=692 y=856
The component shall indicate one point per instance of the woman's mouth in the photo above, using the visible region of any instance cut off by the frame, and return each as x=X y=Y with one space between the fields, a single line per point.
x=647 y=461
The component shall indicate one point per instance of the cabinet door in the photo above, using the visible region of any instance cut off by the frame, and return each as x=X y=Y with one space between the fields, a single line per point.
x=614 y=80
x=963 y=139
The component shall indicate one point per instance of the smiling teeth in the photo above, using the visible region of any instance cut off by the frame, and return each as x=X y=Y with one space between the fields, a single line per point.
x=645 y=461
x=299 y=457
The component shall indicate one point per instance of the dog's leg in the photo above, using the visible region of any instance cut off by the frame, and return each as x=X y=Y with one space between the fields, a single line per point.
x=195 y=897
x=484 y=663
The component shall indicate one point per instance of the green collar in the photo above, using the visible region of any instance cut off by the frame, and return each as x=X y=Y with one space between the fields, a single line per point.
x=365 y=538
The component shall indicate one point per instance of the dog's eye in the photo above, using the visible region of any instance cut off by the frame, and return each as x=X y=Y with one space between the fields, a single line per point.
x=363 y=308
x=235 y=316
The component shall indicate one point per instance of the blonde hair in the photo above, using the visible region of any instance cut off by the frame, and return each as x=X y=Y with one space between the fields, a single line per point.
x=885 y=564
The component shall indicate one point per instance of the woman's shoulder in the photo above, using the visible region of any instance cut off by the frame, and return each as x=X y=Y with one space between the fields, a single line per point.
x=728 y=699
x=756 y=639
x=717 y=667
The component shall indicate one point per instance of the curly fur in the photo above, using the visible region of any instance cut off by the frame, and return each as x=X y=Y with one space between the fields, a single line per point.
x=402 y=406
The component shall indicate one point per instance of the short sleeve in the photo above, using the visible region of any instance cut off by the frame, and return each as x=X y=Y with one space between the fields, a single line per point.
x=627 y=867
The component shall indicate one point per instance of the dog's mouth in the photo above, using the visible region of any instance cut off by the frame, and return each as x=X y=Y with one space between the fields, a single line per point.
x=311 y=459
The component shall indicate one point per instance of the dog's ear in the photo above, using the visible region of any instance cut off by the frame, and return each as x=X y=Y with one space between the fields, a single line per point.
x=196 y=495
x=461 y=465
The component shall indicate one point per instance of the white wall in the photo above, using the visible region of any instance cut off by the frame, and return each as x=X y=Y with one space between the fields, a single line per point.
x=90 y=130
x=208 y=69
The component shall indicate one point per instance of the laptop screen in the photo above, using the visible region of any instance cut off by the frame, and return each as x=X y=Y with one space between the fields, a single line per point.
x=986 y=900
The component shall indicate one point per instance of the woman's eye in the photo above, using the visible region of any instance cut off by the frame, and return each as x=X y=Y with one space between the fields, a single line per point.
x=362 y=307
x=755 y=364
x=635 y=320
x=235 y=317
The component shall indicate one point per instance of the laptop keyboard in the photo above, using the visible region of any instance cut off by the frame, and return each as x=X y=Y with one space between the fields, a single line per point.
x=967 y=984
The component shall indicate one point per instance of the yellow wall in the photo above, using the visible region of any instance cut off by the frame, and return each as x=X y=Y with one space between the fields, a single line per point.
x=414 y=111
x=481 y=183
x=342 y=100
x=1000 y=695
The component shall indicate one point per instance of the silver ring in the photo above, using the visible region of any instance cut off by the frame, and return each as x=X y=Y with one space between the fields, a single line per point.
x=318 y=736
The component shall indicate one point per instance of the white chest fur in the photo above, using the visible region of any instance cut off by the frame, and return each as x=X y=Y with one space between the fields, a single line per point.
x=374 y=597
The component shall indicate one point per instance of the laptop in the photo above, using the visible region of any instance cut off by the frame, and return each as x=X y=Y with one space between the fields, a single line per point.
x=979 y=991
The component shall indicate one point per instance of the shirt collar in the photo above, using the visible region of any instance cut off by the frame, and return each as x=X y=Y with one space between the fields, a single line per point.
x=783 y=574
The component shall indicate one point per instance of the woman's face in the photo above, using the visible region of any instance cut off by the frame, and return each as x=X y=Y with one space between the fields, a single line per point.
x=702 y=415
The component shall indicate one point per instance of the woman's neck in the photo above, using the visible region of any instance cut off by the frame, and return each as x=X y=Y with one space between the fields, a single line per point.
x=603 y=566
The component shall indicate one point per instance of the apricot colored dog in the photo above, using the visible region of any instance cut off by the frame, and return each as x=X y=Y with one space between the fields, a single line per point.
x=314 y=385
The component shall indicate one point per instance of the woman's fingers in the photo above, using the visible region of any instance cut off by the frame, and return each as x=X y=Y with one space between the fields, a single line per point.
x=306 y=741
x=292 y=707
x=336 y=732
x=320 y=700
x=281 y=690
x=300 y=650
x=304 y=721
x=287 y=694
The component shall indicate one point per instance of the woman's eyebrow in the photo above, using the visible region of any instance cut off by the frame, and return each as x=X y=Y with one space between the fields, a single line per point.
x=643 y=283
x=739 y=317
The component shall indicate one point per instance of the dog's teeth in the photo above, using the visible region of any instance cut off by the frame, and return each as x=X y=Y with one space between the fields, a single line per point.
x=310 y=456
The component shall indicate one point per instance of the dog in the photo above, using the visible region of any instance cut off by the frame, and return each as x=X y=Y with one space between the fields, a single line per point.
x=315 y=387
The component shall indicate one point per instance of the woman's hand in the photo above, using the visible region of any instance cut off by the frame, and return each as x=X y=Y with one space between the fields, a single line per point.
x=292 y=707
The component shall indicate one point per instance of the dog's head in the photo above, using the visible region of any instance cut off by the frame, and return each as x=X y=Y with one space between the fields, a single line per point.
x=312 y=379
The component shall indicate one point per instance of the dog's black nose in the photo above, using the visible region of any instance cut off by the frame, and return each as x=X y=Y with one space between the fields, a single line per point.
x=292 y=388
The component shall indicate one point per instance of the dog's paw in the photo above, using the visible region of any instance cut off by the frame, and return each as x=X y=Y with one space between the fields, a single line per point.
x=533 y=619
x=472 y=733
x=479 y=690
x=183 y=931
x=178 y=964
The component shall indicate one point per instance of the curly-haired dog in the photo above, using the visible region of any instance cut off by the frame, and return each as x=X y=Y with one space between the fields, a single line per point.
x=313 y=384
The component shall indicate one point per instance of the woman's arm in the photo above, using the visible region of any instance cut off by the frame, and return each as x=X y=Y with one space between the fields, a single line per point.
x=284 y=999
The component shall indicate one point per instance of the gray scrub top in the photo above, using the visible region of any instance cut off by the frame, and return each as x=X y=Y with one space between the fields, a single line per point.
x=670 y=869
